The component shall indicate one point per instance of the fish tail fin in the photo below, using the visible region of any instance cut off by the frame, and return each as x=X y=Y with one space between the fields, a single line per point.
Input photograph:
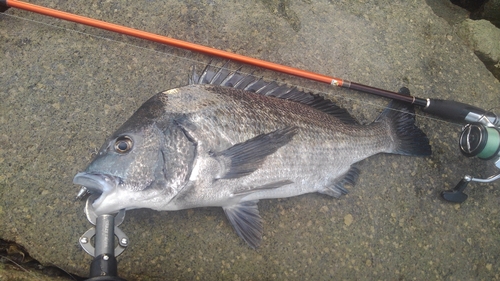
x=409 y=139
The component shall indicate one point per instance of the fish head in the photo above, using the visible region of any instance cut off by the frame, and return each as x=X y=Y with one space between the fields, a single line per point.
x=142 y=165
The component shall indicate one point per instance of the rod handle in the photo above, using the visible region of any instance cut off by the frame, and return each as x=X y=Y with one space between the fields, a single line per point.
x=453 y=110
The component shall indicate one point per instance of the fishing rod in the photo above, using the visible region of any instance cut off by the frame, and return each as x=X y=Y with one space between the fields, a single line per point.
x=480 y=136
x=450 y=110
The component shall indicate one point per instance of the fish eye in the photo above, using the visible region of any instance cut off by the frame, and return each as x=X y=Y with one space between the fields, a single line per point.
x=123 y=144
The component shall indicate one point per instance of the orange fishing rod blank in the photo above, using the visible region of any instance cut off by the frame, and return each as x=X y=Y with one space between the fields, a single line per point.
x=174 y=42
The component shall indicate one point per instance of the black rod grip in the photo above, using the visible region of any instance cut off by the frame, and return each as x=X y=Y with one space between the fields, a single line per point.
x=452 y=110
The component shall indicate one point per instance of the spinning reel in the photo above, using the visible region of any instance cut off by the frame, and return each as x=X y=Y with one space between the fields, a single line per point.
x=480 y=138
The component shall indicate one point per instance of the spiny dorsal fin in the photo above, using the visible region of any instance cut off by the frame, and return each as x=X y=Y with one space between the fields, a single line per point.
x=222 y=76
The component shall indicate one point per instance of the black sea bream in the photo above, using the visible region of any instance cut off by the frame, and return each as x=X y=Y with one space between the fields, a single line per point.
x=229 y=140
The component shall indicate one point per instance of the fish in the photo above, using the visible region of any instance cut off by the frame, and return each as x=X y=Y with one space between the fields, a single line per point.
x=228 y=140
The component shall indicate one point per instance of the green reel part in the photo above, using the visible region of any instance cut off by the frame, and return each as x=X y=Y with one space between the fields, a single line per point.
x=478 y=140
x=492 y=145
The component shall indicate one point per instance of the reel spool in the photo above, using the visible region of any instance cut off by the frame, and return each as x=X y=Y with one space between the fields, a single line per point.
x=479 y=140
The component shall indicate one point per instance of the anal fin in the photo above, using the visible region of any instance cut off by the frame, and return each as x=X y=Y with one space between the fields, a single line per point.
x=247 y=222
x=337 y=188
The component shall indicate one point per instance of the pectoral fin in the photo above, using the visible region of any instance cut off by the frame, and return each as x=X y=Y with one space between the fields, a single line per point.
x=244 y=158
x=246 y=221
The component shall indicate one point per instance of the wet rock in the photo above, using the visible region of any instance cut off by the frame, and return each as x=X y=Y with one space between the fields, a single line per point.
x=490 y=11
x=63 y=92
x=484 y=38
x=470 y=5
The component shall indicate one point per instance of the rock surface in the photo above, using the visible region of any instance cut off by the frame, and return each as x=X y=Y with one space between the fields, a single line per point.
x=481 y=9
x=63 y=92
x=484 y=38
x=489 y=11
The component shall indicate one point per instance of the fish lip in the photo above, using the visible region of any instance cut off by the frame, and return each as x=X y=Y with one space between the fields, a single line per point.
x=96 y=183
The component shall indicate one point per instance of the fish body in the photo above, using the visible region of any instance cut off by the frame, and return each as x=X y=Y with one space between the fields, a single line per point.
x=228 y=140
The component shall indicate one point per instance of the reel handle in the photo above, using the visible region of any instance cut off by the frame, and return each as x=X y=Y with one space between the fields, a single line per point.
x=456 y=195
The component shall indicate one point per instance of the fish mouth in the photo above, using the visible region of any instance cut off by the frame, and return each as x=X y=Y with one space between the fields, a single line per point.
x=101 y=184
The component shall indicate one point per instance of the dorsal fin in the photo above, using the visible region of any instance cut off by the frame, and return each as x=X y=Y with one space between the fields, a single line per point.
x=222 y=76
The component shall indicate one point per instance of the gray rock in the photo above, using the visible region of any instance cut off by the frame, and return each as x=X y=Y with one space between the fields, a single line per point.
x=484 y=38
x=63 y=92
x=489 y=11
x=453 y=14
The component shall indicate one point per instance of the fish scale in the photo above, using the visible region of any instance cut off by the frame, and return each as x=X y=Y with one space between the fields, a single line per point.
x=230 y=140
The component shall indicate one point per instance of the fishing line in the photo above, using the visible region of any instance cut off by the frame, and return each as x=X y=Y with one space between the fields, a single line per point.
x=203 y=64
